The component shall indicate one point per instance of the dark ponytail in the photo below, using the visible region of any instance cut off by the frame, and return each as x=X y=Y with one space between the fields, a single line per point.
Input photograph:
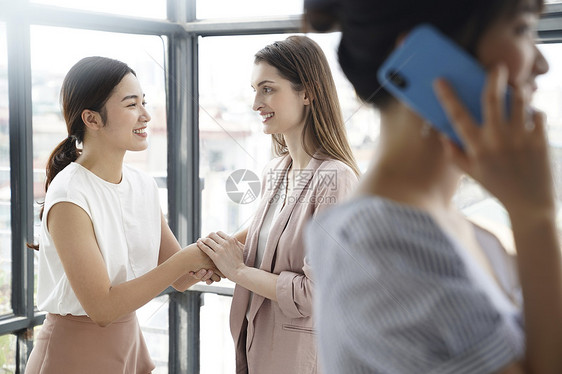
x=63 y=154
x=87 y=86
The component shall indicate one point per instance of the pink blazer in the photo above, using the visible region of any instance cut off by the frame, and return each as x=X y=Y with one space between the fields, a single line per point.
x=279 y=337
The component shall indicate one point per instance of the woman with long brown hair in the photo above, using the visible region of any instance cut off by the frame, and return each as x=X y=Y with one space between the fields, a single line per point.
x=271 y=314
x=105 y=248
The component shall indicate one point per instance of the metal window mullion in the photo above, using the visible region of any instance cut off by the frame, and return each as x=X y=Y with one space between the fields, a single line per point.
x=186 y=313
x=21 y=176
x=183 y=137
x=183 y=180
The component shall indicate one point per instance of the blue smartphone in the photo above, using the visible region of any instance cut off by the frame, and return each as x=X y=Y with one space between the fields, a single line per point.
x=425 y=55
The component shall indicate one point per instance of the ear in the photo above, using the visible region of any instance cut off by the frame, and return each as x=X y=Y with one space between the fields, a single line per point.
x=92 y=119
x=306 y=98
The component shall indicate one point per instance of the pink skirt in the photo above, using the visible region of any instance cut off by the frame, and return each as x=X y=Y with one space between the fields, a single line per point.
x=75 y=344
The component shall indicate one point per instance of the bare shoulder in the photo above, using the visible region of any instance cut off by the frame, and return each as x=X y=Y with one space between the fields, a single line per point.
x=67 y=214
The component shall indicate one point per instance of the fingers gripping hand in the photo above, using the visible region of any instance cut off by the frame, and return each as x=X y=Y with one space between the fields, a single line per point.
x=225 y=251
x=508 y=155
x=208 y=272
x=208 y=276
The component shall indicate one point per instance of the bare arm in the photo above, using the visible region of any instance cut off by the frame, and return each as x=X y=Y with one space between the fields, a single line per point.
x=541 y=281
x=241 y=235
x=258 y=281
x=75 y=241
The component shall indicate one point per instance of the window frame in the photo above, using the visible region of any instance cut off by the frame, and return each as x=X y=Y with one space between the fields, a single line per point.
x=182 y=30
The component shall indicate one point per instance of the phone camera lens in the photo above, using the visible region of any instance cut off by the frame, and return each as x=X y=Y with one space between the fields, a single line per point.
x=397 y=79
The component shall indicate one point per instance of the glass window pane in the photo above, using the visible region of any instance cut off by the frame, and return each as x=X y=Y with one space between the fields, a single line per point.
x=8 y=345
x=133 y=8
x=229 y=131
x=51 y=58
x=247 y=8
x=5 y=192
x=218 y=355
x=153 y=318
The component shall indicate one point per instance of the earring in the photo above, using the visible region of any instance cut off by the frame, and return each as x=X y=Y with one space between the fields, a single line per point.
x=425 y=129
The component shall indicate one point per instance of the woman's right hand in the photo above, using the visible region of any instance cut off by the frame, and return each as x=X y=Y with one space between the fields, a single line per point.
x=508 y=156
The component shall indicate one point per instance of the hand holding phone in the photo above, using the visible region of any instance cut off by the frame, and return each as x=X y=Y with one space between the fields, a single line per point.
x=427 y=54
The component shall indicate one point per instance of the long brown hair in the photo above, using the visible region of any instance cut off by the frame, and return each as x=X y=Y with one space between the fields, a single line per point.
x=301 y=61
x=88 y=85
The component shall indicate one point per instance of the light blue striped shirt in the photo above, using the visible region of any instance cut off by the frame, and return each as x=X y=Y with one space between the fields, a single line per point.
x=395 y=294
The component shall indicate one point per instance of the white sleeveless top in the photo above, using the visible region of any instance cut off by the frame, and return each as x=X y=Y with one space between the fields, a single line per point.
x=126 y=221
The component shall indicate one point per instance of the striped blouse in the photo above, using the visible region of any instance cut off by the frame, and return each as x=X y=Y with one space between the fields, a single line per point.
x=396 y=294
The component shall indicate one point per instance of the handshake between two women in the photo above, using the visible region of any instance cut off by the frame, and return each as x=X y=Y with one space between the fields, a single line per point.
x=226 y=253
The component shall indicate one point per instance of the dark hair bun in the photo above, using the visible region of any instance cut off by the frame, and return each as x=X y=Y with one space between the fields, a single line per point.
x=321 y=15
x=371 y=28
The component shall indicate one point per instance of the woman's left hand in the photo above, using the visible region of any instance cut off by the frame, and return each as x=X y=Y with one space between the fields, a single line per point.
x=225 y=251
